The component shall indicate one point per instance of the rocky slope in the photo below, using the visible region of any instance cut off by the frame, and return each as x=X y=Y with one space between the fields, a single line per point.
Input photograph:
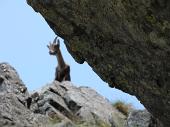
x=55 y=105
x=126 y=42
x=81 y=105
x=13 y=104
x=59 y=105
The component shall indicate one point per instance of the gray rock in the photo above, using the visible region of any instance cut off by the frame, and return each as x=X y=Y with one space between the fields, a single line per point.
x=14 y=113
x=55 y=105
x=13 y=104
x=10 y=81
x=142 y=118
x=76 y=104
x=126 y=42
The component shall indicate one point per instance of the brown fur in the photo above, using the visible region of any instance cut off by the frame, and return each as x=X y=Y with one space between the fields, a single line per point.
x=62 y=70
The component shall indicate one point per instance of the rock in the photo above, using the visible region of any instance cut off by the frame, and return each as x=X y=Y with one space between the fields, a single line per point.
x=55 y=105
x=13 y=93
x=60 y=105
x=127 y=43
x=76 y=104
x=14 y=114
x=10 y=81
x=142 y=118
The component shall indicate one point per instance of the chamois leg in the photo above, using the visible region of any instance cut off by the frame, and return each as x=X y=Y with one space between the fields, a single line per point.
x=67 y=77
x=58 y=75
x=67 y=73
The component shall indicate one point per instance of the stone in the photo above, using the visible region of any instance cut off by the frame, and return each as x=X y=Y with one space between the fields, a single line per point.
x=125 y=42
x=141 y=118
x=76 y=104
x=13 y=110
x=55 y=105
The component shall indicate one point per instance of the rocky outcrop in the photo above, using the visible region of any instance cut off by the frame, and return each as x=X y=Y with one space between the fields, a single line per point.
x=55 y=105
x=60 y=105
x=125 y=42
x=81 y=105
x=13 y=95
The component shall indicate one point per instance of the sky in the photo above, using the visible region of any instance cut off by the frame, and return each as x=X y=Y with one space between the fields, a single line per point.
x=24 y=35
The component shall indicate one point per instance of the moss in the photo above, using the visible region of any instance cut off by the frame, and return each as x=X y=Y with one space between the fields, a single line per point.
x=162 y=25
x=98 y=123
x=151 y=19
x=120 y=80
x=95 y=122
x=55 y=119
x=101 y=123
x=165 y=25
x=110 y=67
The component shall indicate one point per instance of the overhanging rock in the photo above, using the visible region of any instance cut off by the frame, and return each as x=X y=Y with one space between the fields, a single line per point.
x=127 y=43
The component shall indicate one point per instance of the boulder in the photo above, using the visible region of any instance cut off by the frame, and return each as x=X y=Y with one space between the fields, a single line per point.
x=142 y=118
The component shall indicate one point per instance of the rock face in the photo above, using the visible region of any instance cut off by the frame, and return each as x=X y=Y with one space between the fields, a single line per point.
x=55 y=105
x=127 y=43
x=13 y=95
x=81 y=105
x=60 y=105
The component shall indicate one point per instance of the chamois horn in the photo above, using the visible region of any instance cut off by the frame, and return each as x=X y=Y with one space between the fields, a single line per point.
x=55 y=40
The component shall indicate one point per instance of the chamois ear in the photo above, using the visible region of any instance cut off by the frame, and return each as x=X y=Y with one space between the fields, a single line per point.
x=48 y=46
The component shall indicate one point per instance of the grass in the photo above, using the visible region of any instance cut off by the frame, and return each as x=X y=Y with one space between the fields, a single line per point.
x=122 y=107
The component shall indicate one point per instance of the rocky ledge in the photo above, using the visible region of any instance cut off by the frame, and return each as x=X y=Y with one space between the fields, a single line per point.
x=60 y=105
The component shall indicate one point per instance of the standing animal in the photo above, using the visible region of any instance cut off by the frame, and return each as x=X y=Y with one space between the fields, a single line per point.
x=62 y=70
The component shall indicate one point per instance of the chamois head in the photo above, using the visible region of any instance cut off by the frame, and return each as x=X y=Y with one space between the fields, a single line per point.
x=54 y=47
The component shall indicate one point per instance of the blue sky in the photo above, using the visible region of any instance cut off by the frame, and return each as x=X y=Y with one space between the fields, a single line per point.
x=24 y=35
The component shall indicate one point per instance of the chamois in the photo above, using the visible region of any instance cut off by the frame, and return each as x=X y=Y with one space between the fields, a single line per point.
x=62 y=70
